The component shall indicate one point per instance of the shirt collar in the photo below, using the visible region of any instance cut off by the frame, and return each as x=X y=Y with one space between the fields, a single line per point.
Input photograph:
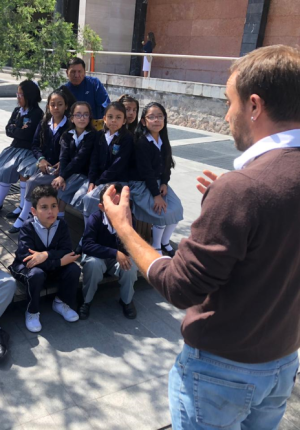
x=78 y=139
x=61 y=124
x=23 y=111
x=106 y=222
x=109 y=137
x=285 y=139
x=37 y=222
x=151 y=139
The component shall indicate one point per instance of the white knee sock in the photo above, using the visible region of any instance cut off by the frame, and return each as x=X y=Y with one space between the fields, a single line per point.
x=4 y=189
x=167 y=235
x=157 y=232
x=23 y=215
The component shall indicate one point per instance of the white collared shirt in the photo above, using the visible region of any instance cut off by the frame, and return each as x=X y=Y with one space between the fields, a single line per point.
x=23 y=111
x=106 y=222
x=285 y=139
x=150 y=138
x=78 y=139
x=109 y=137
x=61 y=124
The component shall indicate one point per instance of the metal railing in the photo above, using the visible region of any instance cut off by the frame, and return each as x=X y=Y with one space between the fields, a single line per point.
x=143 y=54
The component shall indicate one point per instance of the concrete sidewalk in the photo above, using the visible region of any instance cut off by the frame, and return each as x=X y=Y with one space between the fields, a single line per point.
x=108 y=372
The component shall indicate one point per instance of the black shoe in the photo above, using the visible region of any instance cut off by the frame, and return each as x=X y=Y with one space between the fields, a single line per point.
x=13 y=230
x=169 y=253
x=128 y=310
x=4 y=338
x=78 y=249
x=84 y=311
x=11 y=215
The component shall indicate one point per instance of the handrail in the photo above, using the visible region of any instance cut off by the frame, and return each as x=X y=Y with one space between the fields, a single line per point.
x=142 y=54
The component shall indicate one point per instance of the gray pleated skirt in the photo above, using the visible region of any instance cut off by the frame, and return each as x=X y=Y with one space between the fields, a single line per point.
x=15 y=162
x=39 y=178
x=91 y=200
x=143 y=202
x=73 y=183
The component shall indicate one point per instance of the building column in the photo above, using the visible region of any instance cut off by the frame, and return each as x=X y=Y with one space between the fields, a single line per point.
x=138 y=36
x=255 y=25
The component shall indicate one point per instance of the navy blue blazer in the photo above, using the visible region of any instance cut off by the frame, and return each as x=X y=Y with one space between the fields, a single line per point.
x=75 y=159
x=150 y=165
x=28 y=238
x=50 y=146
x=111 y=163
x=98 y=241
x=22 y=137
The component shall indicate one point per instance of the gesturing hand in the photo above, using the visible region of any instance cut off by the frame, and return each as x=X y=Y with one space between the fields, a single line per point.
x=118 y=210
x=35 y=258
x=204 y=183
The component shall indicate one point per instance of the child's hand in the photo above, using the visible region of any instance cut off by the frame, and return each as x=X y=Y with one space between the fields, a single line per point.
x=69 y=258
x=123 y=260
x=163 y=190
x=43 y=164
x=35 y=259
x=159 y=204
x=58 y=183
x=56 y=172
x=91 y=187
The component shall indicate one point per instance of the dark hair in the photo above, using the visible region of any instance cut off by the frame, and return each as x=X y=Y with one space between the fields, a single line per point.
x=151 y=37
x=32 y=94
x=273 y=73
x=142 y=130
x=47 y=116
x=74 y=61
x=69 y=96
x=123 y=130
x=42 y=191
x=127 y=98
x=118 y=188
x=90 y=126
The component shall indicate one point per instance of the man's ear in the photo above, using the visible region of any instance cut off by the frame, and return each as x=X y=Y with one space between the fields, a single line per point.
x=257 y=106
x=101 y=207
x=33 y=211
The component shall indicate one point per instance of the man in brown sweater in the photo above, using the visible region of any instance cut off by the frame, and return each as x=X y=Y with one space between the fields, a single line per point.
x=238 y=273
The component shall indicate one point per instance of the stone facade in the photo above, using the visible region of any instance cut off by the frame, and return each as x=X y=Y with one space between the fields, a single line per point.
x=188 y=104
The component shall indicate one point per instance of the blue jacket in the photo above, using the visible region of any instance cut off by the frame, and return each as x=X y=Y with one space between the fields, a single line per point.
x=110 y=163
x=50 y=148
x=91 y=90
x=28 y=238
x=98 y=241
x=75 y=159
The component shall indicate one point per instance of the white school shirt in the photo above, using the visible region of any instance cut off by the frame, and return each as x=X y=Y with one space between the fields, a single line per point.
x=109 y=137
x=78 y=139
x=61 y=124
x=150 y=138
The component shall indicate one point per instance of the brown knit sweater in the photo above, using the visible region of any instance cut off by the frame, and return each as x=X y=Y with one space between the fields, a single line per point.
x=242 y=261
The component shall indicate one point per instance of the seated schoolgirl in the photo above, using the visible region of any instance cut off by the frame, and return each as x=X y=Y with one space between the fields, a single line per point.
x=16 y=161
x=132 y=111
x=110 y=159
x=76 y=148
x=154 y=201
x=46 y=150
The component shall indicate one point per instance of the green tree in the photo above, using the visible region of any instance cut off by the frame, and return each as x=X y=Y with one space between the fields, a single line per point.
x=27 y=29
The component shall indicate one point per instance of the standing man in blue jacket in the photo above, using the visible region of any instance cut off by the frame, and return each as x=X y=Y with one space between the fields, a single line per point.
x=86 y=88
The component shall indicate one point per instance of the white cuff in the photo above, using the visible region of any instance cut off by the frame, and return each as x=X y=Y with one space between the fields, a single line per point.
x=154 y=261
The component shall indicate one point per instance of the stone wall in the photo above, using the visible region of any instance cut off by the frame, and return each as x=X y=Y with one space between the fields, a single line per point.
x=283 y=23
x=195 y=105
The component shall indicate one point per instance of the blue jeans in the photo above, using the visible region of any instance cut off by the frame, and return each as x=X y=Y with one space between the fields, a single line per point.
x=210 y=392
